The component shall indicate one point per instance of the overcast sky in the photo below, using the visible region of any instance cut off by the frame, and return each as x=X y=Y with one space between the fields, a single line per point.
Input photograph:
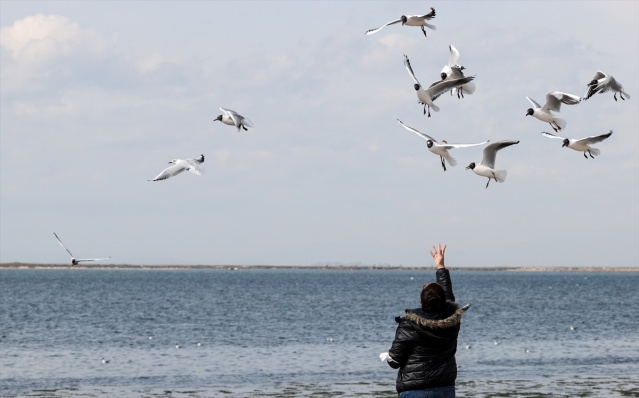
x=97 y=97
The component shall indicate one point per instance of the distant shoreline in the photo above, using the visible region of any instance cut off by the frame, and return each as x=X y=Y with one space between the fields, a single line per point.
x=325 y=267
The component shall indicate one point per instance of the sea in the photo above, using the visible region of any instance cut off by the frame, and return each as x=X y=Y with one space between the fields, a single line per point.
x=252 y=332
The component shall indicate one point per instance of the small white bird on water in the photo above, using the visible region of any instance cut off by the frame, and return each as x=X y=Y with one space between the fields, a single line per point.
x=427 y=96
x=75 y=261
x=453 y=71
x=583 y=144
x=233 y=118
x=179 y=165
x=105 y=360
x=487 y=166
x=602 y=83
x=410 y=20
x=554 y=99
x=439 y=149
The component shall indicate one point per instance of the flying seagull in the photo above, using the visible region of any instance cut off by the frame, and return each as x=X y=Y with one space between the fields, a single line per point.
x=487 y=166
x=554 y=99
x=427 y=96
x=581 y=145
x=439 y=149
x=453 y=71
x=179 y=165
x=602 y=83
x=233 y=118
x=410 y=20
x=75 y=261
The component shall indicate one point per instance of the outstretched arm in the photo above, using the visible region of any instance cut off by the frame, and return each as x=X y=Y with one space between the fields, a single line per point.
x=442 y=274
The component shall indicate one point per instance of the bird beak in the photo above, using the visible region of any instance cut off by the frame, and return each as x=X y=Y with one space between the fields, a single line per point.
x=467 y=167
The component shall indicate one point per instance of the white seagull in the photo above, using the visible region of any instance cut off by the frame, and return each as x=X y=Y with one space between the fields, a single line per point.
x=179 y=165
x=602 y=83
x=105 y=360
x=439 y=149
x=487 y=166
x=581 y=145
x=453 y=71
x=554 y=99
x=75 y=261
x=233 y=118
x=410 y=20
x=427 y=96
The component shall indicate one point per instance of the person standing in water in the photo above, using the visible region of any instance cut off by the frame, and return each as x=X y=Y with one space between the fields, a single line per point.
x=426 y=339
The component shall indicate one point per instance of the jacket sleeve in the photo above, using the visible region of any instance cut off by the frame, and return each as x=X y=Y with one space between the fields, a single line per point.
x=402 y=346
x=443 y=279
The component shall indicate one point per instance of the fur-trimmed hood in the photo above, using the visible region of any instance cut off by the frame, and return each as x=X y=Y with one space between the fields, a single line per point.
x=452 y=321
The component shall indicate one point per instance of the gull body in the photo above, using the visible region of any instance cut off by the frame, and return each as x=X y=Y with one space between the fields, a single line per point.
x=582 y=144
x=487 y=166
x=438 y=149
x=453 y=71
x=410 y=20
x=105 y=360
x=75 y=261
x=233 y=118
x=427 y=96
x=179 y=165
x=554 y=99
x=602 y=83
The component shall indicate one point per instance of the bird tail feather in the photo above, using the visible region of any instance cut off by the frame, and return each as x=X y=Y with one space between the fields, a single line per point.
x=595 y=151
x=560 y=122
x=469 y=88
x=500 y=175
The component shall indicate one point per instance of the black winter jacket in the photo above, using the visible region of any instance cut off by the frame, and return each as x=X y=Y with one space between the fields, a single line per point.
x=425 y=344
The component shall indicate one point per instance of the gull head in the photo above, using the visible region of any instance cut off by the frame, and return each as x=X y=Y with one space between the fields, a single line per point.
x=444 y=76
x=417 y=87
x=218 y=118
x=471 y=166
x=530 y=112
x=592 y=83
x=174 y=161
x=566 y=142
x=429 y=143
x=404 y=19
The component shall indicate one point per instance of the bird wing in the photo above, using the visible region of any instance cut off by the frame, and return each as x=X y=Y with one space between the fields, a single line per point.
x=430 y=15
x=169 y=172
x=490 y=152
x=63 y=246
x=450 y=146
x=194 y=165
x=410 y=69
x=598 y=75
x=234 y=116
x=441 y=86
x=552 y=136
x=554 y=99
x=454 y=56
x=595 y=139
x=424 y=136
x=532 y=101
x=92 y=259
x=371 y=31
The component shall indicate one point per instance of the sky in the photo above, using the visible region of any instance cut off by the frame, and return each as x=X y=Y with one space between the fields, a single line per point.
x=97 y=97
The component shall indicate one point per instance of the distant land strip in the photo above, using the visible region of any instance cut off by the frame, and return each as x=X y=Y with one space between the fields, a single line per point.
x=16 y=265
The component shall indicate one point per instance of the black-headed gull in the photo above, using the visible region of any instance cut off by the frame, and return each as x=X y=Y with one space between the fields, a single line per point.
x=583 y=144
x=439 y=149
x=453 y=71
x=179 y=165
x=427 y=96
x=602 y=83
x=233 y=118
x=554 y=99
x=410 y=20
x=487 y=166
x=75 y=261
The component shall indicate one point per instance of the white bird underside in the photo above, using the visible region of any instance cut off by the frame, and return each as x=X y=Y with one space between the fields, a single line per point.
x=486 y=168
x=554 y=99
x=409 y=20
x=179 y=165
x=73 y=259
x=582 y=144
x=440 y=149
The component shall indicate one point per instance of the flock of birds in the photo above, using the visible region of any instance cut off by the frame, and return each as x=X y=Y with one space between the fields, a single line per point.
x=452 y=79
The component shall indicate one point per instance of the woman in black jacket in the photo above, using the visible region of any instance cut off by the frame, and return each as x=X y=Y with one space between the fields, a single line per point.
x=426 y=340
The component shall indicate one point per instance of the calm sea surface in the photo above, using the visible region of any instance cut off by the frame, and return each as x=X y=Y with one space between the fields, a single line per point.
x=292 y=332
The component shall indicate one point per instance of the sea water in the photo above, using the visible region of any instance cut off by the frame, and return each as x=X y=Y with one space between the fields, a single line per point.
x=307 y=332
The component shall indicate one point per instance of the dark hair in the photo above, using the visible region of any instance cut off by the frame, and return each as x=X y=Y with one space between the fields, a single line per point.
x=433 y=297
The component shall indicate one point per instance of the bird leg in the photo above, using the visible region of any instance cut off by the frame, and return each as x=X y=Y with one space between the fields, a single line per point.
x=555 y=128
x=245 y=129
x=615 y=96
x=424 y=30
x=585 y=155
x=428 y=110
x=425 y=109
x=488 y=182
x=590 y=154
x=443 y=162
x=621 y=96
